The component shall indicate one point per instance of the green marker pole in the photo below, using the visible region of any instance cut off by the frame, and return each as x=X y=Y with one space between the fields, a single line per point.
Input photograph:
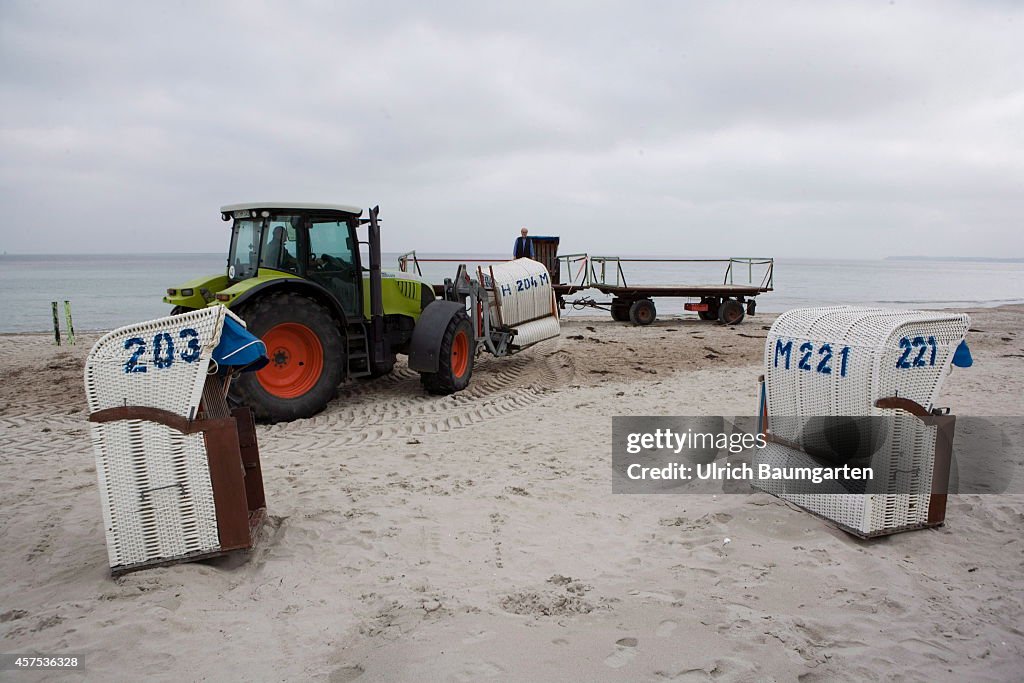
x=56 y=323
x=67 y=317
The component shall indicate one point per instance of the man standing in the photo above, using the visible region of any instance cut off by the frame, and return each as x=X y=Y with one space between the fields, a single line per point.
x=523 y=247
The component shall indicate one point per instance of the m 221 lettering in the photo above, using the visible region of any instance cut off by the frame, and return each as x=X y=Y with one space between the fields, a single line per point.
x=821 y=358
x=165 y=351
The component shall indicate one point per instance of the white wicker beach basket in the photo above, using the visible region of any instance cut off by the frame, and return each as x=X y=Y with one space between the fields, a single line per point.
x=154 y=481
x=838 y=361
x=524 y=301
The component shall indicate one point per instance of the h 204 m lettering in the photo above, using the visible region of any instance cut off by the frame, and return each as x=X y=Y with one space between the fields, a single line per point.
x=820 y=359
x=909 y=359
x=525 y=284
x=165 y=353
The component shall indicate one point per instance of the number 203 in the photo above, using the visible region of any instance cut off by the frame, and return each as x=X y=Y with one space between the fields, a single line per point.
x=163 y=350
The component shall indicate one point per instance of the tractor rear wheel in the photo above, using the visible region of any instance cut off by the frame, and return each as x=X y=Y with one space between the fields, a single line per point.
x=454 y=358
x=643 y=312
x=731 y=312
x=306 y=354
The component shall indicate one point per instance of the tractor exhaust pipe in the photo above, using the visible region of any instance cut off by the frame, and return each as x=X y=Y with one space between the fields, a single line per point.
x=376 y=294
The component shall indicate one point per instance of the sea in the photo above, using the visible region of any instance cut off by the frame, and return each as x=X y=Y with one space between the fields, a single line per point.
x=107 y=291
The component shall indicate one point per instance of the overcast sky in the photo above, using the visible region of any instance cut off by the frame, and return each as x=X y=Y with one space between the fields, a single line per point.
x=817 y=129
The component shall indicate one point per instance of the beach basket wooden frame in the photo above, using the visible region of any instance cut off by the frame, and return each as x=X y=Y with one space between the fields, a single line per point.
x=179 y=473
x=849 y=361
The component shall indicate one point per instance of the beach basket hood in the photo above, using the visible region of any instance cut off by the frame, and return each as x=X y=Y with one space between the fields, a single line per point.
x=239 y=348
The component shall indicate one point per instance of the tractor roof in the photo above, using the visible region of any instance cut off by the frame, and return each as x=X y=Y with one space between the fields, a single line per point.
x=302 y=206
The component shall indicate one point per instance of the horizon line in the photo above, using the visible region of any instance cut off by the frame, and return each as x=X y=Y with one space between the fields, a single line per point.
x=901 y=257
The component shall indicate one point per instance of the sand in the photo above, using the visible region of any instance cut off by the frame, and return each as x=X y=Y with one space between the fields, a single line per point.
x=475 y=537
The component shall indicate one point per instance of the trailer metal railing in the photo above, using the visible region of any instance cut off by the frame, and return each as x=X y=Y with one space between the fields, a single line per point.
x=583 y=271
x=409 y=260
x=767 y=281
x=405 y=259
x=586 y=271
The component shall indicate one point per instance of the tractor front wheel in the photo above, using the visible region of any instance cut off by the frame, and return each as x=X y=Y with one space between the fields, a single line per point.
x=455 y=358
x=306 y=354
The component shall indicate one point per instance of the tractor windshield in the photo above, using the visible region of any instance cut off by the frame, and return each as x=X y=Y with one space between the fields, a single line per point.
x=243 y=259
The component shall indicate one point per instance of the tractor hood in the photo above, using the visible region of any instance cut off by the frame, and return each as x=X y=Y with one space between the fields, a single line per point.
x=197 y=292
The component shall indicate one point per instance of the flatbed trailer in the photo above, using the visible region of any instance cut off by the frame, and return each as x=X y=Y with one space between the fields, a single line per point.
x=727 y=302
x=647 y=291
x=573 y=274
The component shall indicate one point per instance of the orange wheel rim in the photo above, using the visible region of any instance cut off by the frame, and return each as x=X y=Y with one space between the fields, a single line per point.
x=460 y=354
x=296 y=360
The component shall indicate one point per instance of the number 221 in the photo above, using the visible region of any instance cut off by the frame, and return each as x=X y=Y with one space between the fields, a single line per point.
x=919 y=343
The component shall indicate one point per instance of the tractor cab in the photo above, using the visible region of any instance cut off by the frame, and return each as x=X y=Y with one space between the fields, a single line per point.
x=315 y=242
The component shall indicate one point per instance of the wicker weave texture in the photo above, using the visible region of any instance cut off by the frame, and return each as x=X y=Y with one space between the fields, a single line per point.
x=530 y=333
x=155 y=491
x=159 y=363
x=154 y=482
x=840 y=360
x=523 y=291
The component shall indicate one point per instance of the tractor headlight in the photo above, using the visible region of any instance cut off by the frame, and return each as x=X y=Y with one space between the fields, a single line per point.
x=187 y=292
x=172 y=292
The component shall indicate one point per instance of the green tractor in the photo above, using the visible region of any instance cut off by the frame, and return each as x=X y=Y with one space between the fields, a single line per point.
x=295 y=275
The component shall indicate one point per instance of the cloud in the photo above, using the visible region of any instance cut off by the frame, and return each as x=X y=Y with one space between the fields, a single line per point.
x=788 y=129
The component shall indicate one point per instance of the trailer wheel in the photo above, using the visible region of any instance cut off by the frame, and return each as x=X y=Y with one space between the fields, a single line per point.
x=307 y=358
x=620 y=310
x=455 y=358
x=643 y=312
x=731 y=312
x=712 y=312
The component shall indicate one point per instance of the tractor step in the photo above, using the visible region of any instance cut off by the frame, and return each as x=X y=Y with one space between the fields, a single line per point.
x=357 y=352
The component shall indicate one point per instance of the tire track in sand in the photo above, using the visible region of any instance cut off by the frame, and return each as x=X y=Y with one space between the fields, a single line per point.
x=396 y=406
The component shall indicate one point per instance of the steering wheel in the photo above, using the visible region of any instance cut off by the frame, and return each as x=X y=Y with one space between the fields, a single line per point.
x=333 y=263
